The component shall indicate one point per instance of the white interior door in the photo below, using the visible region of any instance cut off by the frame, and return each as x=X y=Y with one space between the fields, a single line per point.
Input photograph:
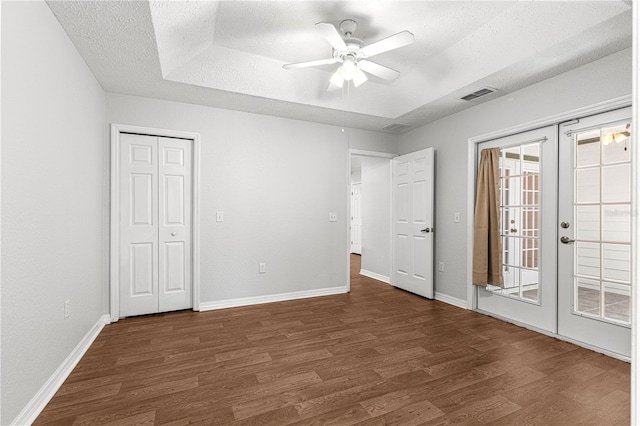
x=155 y=224
x=594 y=245
x=528 y=183
x=412 y=218
x=356 y=218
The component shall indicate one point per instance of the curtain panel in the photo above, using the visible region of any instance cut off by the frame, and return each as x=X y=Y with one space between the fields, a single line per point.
x=487 y=243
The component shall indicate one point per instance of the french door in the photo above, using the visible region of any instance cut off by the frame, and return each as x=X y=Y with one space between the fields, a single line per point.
x=155 y=224
x=594 y=228
x=528 y=182
x=566 y=231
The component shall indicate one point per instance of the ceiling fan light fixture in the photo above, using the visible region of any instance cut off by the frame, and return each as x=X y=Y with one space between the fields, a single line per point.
x=337 y=79
x=359 y=77
x=349 y=68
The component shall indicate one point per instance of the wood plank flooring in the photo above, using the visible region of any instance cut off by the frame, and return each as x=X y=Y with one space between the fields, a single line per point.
x=376 y=356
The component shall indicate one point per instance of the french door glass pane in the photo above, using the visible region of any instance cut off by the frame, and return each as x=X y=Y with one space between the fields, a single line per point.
x=616 y=223
x=588 y=222
x=616 y=262
x=616 y=302
x=588 y=149
x=588 y=185
x=616 y=144
x=602 y=208
x=588 y=259
x=588 y=296
x=616 y=183
x=520 y=221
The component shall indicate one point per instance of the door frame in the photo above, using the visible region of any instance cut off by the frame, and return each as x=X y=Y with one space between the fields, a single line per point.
x=351 y=217
x=114 y=260
x=363 y=153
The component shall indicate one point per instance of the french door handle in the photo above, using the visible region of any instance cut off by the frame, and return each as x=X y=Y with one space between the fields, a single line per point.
x=426 y=230
x=566 y=240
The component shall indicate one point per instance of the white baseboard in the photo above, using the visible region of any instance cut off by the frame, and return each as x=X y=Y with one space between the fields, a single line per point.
x=375 y=276
x=460 y=303
x=40 y=400
x=281 y=297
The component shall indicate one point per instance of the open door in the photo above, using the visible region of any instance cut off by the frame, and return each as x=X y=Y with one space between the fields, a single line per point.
x=412 y=218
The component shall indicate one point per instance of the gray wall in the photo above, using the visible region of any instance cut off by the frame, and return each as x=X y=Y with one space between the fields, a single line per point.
x=602 y=80
x=52 y=183
x=276 y=181
x=376 y=215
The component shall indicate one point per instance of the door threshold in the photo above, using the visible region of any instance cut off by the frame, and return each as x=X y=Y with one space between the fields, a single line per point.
x=602 y=351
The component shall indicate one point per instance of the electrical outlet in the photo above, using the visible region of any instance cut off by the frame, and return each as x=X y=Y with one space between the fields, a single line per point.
x=262 y=268
x=456 y=217
x=441 y=266
x=67 y=309
x=333 y=217
x=219 y=216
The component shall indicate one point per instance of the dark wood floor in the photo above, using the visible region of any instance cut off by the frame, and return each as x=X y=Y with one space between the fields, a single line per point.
x=376 y=356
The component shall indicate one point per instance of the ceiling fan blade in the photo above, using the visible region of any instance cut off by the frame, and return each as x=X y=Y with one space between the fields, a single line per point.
x=332 y=35
x=378 y=70
x=310 y=63
x=392 y=42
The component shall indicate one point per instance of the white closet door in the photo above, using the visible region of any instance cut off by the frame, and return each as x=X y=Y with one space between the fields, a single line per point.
x=155 y=224
x=174 y=224
x=138 y=225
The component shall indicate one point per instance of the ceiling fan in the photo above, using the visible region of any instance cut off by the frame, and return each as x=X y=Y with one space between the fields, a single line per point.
x=350 y=52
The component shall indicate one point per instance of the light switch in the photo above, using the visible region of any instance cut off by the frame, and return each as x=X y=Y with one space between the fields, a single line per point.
x=219 y=216
x=456 y=217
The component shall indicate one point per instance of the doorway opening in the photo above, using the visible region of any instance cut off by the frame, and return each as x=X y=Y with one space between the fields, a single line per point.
x=369 y=225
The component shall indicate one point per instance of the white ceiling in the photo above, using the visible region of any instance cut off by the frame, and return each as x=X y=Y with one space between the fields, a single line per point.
x=229 y=54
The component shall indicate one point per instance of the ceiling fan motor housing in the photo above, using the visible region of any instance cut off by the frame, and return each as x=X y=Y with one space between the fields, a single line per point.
x=348 y=27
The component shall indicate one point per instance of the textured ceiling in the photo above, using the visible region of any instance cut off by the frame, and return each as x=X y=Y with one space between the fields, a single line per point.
x=230 y=54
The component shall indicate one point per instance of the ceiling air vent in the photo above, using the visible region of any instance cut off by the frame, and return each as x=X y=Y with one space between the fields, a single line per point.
x=396 y=127
x=478 y=93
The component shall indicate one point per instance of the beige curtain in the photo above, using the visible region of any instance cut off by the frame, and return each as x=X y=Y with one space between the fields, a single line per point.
x=487 y=244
